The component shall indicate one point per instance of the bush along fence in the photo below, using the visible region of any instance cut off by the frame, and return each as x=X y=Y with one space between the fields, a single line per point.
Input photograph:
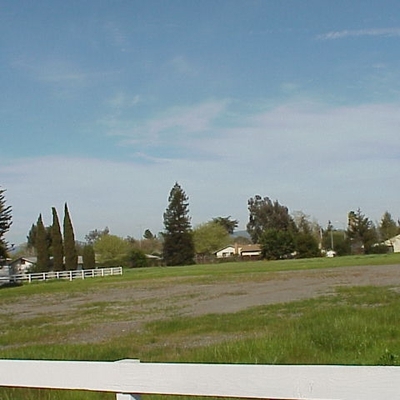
x=69 y=275
x=129 y=379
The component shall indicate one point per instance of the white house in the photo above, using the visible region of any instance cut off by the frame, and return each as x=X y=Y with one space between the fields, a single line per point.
x=23 y=264
x=243 y=250
x=394 y=243
x=227 y=251
x=250 y=250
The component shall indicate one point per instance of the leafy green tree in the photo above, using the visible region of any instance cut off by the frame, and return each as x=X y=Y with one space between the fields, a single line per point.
x=137 y=258
x=42 y=248
x=57 y=243
x=227 y=223
x=277 y=244
x=209 y=237
x=266 y=214
x=88 y=255
x=111 y=250
x=96 y=234
x=361 y=232
x=306 y=245
x=178 y=246
x=148 y=235
x=388 y=227
x=5 y=224
x=71 y=255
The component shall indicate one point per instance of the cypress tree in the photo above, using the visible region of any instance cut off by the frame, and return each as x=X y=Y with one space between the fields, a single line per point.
x=71 y=256
x=178 y=239
x=89 y=261
x=57 y=244
x=42 y=248
x=5 y=223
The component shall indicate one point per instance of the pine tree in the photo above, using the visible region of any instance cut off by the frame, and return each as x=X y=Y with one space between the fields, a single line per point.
x=31 y=238
x=71 y=256
x=178 y=240
x=388 y=227
x=42 y=248
x=5 y=223
x=57 y=243
x=361 y=232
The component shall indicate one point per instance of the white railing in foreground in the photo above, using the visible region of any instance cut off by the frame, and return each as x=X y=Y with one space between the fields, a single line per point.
x=129 y=379
x=70 y=275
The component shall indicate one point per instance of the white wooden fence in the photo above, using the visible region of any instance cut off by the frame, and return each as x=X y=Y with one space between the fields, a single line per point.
x=70 y=275
x=129 y=379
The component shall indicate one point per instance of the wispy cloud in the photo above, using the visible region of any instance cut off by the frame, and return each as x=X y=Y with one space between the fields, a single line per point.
x=176 y=128
x=123 y=101
x=59 y=71
x=385 y=32
x=182 y=65
x=118 y=37
x=51 y=70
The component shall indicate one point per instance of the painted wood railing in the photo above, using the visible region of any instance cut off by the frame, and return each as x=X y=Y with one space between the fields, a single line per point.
x=128 y=379
x=70 y=275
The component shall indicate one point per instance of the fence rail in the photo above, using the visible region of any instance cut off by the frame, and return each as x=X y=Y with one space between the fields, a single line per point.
x=129 y=379
x=70 y=275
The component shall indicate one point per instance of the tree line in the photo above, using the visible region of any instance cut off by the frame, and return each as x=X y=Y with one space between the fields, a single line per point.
x=279 y=234
x=55 y=251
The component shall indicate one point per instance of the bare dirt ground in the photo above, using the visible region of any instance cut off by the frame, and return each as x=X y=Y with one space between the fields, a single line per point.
x=129 y=306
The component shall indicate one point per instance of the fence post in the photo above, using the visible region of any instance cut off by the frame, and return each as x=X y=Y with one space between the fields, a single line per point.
x=128 y=396
x=123 y=396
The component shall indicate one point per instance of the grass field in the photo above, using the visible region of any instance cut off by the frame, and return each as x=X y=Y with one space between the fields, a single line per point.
x=358 y=325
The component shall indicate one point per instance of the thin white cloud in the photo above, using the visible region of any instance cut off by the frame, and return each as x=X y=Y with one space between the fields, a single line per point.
x=385 y=32
x=182 y=65
x=59 y=72
x=176 y=125
x=116 y=34
x=197 y=118
x=122 y=101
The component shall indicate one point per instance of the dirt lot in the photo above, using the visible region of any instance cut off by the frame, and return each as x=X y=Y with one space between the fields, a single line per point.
x=135 y=304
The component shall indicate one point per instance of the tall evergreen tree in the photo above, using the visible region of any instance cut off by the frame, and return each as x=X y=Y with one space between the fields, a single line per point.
x=31 y=238
x=71 y=255
x=361 y=232
x=5 y=223
x=178 y=240
x=89 y=260
x=42 y=248
x=57 y=243
x=388 y=227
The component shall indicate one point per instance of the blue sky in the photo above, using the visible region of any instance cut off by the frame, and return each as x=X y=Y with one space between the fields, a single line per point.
x=105 y=105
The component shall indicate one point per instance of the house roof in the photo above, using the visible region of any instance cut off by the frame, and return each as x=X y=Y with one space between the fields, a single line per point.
x=241 y=248
x=230 y=246
x=250 y=247
x=32 y=260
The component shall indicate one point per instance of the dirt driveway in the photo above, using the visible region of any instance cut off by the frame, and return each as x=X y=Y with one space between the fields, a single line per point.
x=129 y=306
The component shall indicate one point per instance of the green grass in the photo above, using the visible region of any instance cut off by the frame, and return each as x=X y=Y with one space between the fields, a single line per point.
x=359 y=325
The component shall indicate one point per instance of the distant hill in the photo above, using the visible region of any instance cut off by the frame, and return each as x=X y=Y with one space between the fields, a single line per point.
x=242 y=233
